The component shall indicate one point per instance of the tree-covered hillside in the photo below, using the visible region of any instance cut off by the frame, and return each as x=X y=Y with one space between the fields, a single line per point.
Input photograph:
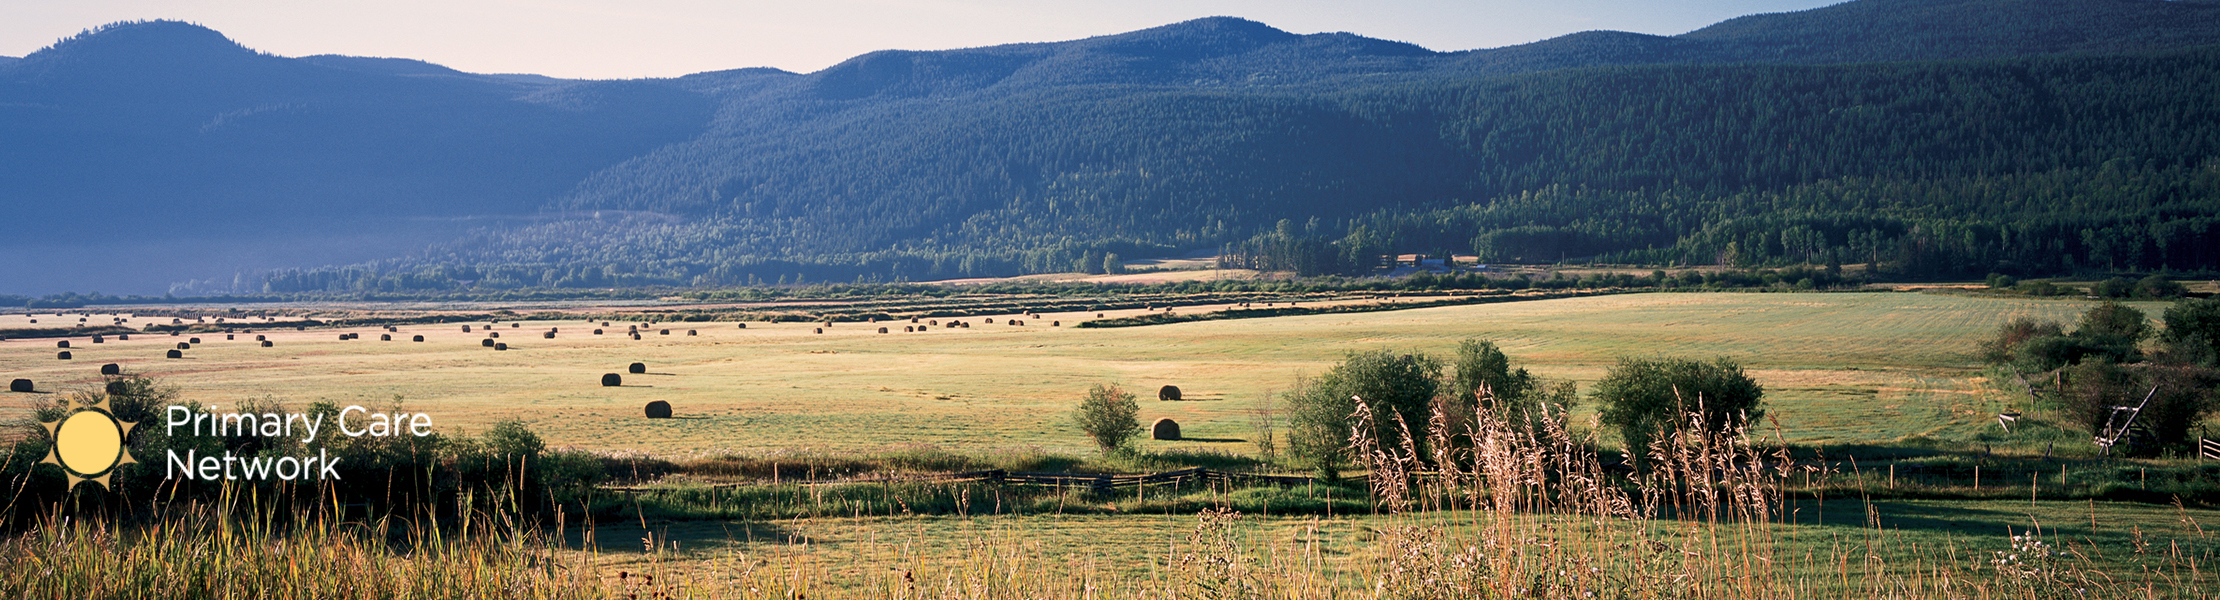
x=1937 y=138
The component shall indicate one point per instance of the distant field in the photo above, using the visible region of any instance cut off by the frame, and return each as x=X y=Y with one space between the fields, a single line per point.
x=1838 y=368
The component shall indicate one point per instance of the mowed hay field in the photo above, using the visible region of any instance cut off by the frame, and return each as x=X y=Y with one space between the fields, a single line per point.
x=1838 y=368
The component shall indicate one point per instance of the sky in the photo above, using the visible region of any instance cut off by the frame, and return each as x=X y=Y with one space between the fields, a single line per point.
x=618 y=39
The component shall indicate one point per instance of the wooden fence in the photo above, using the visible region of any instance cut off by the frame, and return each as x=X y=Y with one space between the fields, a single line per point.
x=1089 y=481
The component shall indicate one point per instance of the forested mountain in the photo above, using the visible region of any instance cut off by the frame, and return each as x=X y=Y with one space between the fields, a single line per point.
x=1936 y=137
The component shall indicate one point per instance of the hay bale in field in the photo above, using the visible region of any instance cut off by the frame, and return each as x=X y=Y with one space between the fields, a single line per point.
x=933 y=322
x=485 y=342
x=259 y=338
x=123 y=337
x=1164 y=429
x=62 y=344
x=743 y=325
x=636 y=368
x=174 y=354
x=882 y=330
x=266 y=343
x=385 y=337
x=20 y=385
x=908 y=329
x=659 y=410
x=177 y=321
x=604 y=323
x=913 y=319
x=549 y=335
x=691 y=332
x=184 y=346
x=63 y=355
x=515 y=325
x=964 y=325
x=111 y=369
x=597 y=332
x=990 y=320
x=635 y=336
x=99 y=339
x=665 y=332
x=611 y=380
x=1055 y=323
x=502 y=346
x=1169 y=393
x=193 y=341
x=820 y=330
x=228 y=337
x=493 y=334
x=466 y=329
x=417 y=338
x=1098 y=315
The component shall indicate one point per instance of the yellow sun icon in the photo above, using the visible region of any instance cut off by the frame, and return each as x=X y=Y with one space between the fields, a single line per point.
x=88 y=443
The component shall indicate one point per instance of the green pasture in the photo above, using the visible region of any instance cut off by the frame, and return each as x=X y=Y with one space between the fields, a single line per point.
x=1838 y=368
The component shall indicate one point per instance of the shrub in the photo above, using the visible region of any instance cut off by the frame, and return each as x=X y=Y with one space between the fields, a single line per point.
x=1643 y=398
x=1390 y=385
x=2159 y=287
x=2193 y=330
x=1109 y=416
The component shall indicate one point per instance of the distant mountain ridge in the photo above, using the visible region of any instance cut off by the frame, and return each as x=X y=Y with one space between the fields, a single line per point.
x=1186 y=135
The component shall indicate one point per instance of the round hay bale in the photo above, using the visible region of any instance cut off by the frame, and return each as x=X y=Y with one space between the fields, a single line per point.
x=636 y=368
x=343 y=337
x=882 y=330
x=174 y=354
x=690 y=332
x=62 y=344
x=184 y=346
x=493 y=334
x=659 y=410
x=259 y=338
x=913 y=319
x=20 y=385
x=611 y=380
x=597 y=332
x=908 y=329
x=1055 y=323
x=98 y=339
x=385 y=337
x=466 y=329
x=990 y=320
x=63 y=355
x=666 y=332
x=743 y=325
x=965 y=325
x=549 y=335
x=635 y=336
x=515 y=325
x=266 y=343
x=111 y=369
x=502 y=346
x=485 y=342
x=1169 y=393
x=1164 y=429
x=820 y=330
x=933 y=322
x=631 y=328
x=228 y=337
x=1098 y=315
x=123 y=337
x=417 y=338
x=604 y=323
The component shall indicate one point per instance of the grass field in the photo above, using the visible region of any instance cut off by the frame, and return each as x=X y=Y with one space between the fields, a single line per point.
x=1838 y=368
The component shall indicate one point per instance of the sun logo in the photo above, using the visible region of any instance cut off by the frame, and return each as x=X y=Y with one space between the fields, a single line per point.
x=88 y=443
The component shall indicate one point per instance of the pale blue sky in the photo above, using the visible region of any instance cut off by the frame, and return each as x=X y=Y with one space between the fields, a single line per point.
x=662 y=38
